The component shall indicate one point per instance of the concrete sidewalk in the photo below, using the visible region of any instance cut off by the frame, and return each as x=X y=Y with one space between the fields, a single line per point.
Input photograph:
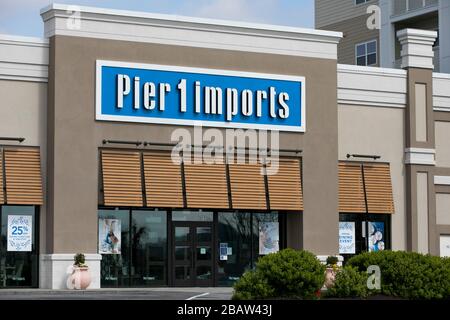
x=119 y=294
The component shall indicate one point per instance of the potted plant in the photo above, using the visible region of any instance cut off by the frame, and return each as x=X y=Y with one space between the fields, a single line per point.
x=330 y=272
x=80 y=278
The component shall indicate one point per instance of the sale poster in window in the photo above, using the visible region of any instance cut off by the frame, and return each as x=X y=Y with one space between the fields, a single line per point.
x=376 y=236
x=268 y=237
x=347 y=239
x=20 y=233
x=109 y=233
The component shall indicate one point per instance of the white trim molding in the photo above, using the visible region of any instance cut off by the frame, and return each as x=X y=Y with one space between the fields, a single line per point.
x=188 y=31
x=420 y=156
x=417 y=48
x=441 y=92
x=442 y=180
x=372 y=87
x=54 y=270
x=23 y=58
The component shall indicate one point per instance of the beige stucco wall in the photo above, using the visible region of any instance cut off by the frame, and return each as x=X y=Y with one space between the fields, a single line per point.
x=442 y=135
x=443 y=208
x=422 y=212
x=378 y=131
x=24 y=114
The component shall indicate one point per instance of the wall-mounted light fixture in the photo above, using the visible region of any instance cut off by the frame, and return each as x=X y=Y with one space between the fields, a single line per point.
x=136 y=143
x=364 y=156
x=18 y=139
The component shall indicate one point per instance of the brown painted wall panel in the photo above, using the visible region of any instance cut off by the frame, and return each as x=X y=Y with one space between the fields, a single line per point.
x=121 y=178
x=23 y=176
x=74 y=135
x=378 y=183
x=285 y=187
x=351 y=190
x=163 y=182
x=2 y=197
x=248 y=189
x=206 y=186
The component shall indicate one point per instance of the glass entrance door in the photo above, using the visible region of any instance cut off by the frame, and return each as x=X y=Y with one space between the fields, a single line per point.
x=192 y=244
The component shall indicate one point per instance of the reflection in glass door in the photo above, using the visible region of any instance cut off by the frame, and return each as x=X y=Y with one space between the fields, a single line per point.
x=192 y=253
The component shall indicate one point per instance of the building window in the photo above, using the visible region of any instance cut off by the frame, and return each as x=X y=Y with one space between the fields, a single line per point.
x=19 y=257
x=352 y=233
x=247 y=236
x=144 y=248
x=357 y=2
x=366 y=53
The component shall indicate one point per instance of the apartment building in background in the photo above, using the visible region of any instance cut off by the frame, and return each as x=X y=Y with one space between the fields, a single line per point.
x=381 y=47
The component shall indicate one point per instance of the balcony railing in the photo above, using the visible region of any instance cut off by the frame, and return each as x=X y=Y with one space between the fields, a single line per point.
x=406 y=6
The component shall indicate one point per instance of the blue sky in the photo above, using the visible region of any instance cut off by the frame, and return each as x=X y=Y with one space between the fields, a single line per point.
x=21 y=17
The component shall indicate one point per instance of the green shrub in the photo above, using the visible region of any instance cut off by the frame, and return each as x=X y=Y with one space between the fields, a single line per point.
x=285 y=274
x=349 y=282
x=408 y=275
x=332 y=260
x=252 y=286
x=79 y=260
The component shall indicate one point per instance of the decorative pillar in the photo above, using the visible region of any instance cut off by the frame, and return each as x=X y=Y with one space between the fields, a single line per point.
x=417 y=58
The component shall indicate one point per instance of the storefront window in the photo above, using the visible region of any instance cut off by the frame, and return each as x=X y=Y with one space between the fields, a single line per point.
x=235 y=246
x=266 y=234
x=18 y=247
x=149 y=247
x=114 y=246
x=243 y=238
x=144 y=248
x=352 y=233
x=189 y=215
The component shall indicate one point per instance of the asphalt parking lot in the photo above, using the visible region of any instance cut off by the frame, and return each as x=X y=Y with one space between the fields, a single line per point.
x=119 y=294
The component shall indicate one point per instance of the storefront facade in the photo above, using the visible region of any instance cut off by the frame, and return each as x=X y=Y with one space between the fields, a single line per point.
x=110 y=187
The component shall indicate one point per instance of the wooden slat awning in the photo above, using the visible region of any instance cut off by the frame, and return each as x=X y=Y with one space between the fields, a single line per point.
x=377 y=177
x=285 y=187
x=351 y=190
x=23 y=176
x=122 y=185
x=247 y=186
x=163 y=180
x=206 y=185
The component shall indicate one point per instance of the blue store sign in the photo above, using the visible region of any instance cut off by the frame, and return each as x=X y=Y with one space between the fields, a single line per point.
x=145 y=93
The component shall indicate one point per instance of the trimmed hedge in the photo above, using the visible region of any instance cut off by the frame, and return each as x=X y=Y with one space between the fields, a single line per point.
x=349 y=283
x=408 y=275
x=287 y=274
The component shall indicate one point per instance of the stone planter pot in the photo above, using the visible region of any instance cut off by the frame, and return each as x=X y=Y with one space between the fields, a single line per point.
x=80 y=278
x=330 y=276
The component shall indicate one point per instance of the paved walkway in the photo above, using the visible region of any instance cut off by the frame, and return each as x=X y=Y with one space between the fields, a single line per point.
x=119 y=294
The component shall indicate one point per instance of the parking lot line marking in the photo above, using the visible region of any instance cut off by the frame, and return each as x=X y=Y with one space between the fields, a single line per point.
x=198 y=296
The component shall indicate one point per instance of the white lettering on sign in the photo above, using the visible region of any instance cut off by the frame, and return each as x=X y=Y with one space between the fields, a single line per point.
x=251 y=102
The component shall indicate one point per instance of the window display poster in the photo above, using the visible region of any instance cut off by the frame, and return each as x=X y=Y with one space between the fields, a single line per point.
x=223 y=251
x=445 y=246
x=376 y=236
x=268 y=237
x=109 y=233
x=347 y=241
x=19 y=233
